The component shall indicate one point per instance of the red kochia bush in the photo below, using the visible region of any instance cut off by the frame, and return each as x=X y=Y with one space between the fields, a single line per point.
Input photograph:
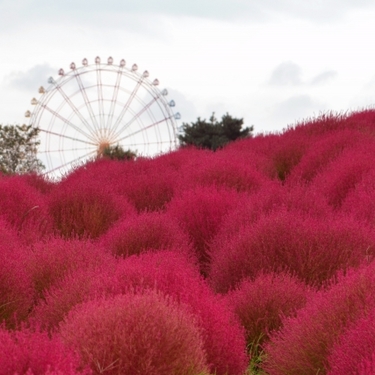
x=304 y=343
x=28 y=352
x=360 y=202
x=49 y=261
x=325 y=150
x=342 y=175
x=353 y=346
x=309 y=248
x=263 y=303
x=79 y=285
x=85 y=209
x=136 y=334
x=173 y=275
x=146 y=231
x=200 y=212
x=16 y=292
x=148 y=185
x=220 y=170
x=25 y=208
x=367 y=366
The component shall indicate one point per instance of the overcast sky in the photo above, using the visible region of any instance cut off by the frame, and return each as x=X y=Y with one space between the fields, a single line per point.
x=271 y=62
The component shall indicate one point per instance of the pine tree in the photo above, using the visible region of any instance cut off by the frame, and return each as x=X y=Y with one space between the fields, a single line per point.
x=213 y=134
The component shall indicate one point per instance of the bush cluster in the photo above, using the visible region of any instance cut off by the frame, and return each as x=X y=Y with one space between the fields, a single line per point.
x=258 y=257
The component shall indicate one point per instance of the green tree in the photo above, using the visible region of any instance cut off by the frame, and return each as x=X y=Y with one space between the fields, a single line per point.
x=213 y=134
x=118 y=153
x=18 y=149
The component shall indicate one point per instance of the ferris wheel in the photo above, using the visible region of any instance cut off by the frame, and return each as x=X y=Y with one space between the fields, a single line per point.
x=98 y=105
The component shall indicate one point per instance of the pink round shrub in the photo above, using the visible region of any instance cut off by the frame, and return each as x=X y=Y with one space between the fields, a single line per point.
x=16 y=291
x=263 y=303
x=49 y=261
x=342 y=176
x=136 y=333
x=146 y=231
x=217 y=169
x=360 y=202
x=326 y=150
x=85 y=209
x=77 y=286
x=201 y=212
x=354 y=346
x=311 y=249
x=173 y=275
x=24 y=208
x=304 y=343
x=27 y=352
x=148 y=185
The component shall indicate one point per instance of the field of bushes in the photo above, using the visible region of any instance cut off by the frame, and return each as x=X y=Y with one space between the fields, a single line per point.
x=254 y=259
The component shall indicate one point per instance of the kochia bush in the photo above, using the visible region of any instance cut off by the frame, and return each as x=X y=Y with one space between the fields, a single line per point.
x=263 y=303
x=85 y=209
x=16 y=291
x=26 y=352
x=305 y=342
x=200 y=212
x=146 y=231
x=173 y=275
x=354 y=346
x=136 y=333
x=311 y=249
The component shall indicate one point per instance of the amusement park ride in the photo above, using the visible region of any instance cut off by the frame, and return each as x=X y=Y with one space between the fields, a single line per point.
x=94 y=106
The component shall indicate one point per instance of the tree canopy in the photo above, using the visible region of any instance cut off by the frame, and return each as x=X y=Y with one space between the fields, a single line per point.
x=213 y=134
x=18 y=149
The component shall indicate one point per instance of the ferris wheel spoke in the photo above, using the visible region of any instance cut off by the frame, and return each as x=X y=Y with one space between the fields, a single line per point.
x=127 y=104
x=86 y=99
x=144 y=109
x=56 y=114
x=143 y=129
x=62 y=150
x=74 y=108
x=71 y=162
x=67 y=137
x=114 y=100
x=100 y=102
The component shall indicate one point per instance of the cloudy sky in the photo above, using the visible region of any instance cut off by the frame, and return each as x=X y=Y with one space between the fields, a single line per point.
x=271 y=62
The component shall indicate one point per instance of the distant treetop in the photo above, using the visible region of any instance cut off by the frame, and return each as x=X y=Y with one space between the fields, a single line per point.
x=213 y=134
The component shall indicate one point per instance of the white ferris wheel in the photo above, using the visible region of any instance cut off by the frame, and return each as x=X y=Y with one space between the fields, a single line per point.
x=97 y=105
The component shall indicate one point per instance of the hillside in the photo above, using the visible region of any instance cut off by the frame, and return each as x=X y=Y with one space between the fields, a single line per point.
x=256 y=258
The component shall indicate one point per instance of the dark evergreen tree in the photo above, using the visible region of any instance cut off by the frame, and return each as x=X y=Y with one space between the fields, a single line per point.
x=213 y=134
x=118 y=153
x=18 y=149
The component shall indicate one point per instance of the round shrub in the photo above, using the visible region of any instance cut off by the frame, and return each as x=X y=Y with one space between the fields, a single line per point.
x=136 y=333
x=146 y=231
x=173 y=275
x=24 y=208
x=310 y=248
x=16 y=291
x=77 y=286
x=85 y=209
x=354 y=346
x=304 y=343
x=263 y=303
x=26 y=352
x=201 y=212
x=49 y=261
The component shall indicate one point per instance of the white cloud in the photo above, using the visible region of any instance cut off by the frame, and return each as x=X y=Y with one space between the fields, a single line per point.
x=297 y=107
x=32 y=79
x=324 y=77
x=287 y=73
